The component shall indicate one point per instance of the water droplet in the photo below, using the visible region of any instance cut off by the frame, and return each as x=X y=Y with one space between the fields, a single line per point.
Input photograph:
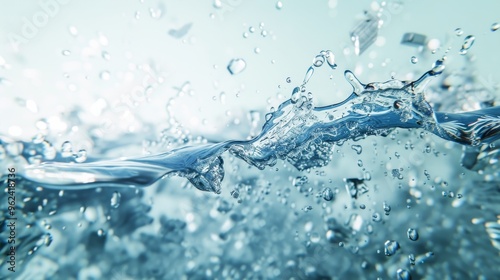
x=66 y=149
x=403 y=274
x=115 y=199
x=412 y=234
x=459 y=32
x=295 y=95
x=245 y=35
x=414 y=60
x=100 y=232
x=105 y=75
x=217 y=4
x=327 y=194
x=308 y=75
x=256 y=50
x=411 y=259
x=360 y=163
x=106 y=55
x=81 y=156
x=236 y=65
x=468 y=42
x=362 y=206
x=279 y=5
x=288 y=80
x=495 y=26
x=263 y=33
x=318 y=60
x=391 y=247
x=66 y=52
x=251 y=29
x=438 y=67
x=357 y=148
x=330 y=59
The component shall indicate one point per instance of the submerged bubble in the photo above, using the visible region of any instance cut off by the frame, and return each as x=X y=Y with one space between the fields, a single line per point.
x=391 y=247
x=412 y=234
x=403 y=274
x=327 y=194
x=115 y=199
x=236 y=66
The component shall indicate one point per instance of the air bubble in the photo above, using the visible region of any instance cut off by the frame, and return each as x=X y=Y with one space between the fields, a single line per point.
x=414 y=60
x=412 y=234
x=391 y=247
x=115 y=199
x=279 y=5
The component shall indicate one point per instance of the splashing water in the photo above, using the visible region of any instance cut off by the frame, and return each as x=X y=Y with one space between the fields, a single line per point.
x=297 y=132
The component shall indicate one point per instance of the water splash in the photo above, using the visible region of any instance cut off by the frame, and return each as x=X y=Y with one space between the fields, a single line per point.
x=296 y=131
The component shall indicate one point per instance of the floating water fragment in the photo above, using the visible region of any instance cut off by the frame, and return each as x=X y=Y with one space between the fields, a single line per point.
x=327 y=194
x=236 y=66
x=115 y=199
x=413 y=39
x=403 y=274
x=414 y=60
x=411 y=259
x=391 y=247
x=495 y=26
x=412 y=234
x=468 y=42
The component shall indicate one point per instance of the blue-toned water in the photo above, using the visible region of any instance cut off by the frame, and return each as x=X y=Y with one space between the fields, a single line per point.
x=189 y=140
x=296 y=132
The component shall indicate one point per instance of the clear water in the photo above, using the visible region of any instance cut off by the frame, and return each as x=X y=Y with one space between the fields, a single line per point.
x=394 y=179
